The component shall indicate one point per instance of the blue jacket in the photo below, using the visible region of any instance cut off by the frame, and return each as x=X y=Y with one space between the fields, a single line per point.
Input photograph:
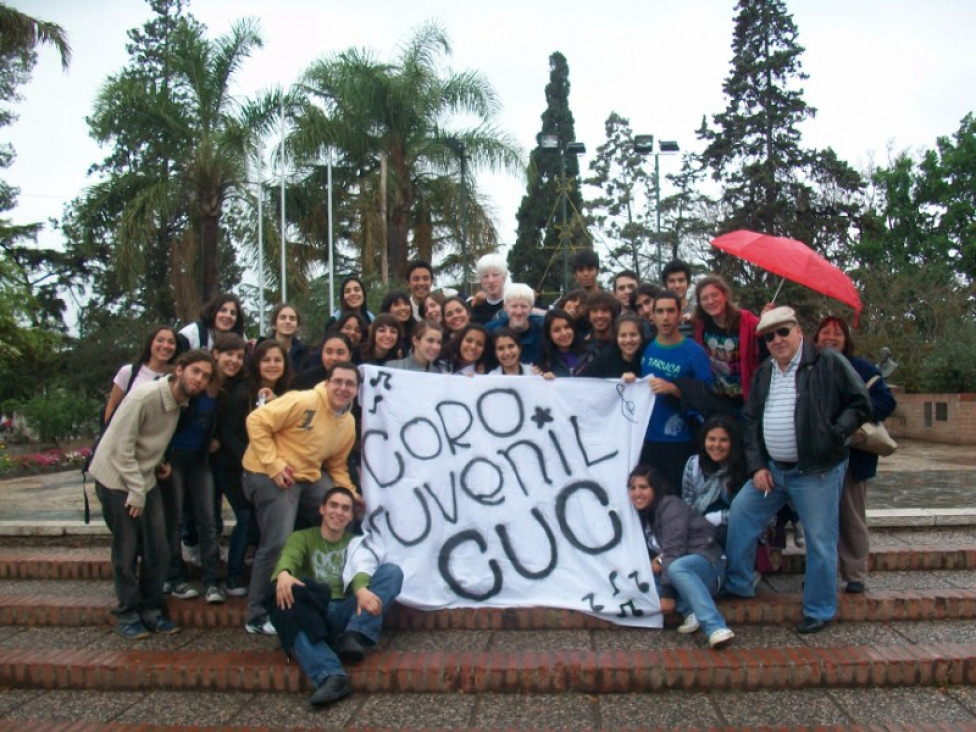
x=530 y=339
x=864 y=465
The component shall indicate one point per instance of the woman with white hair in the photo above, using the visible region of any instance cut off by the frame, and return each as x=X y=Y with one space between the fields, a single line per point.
x=517 y=315
x=487 y=303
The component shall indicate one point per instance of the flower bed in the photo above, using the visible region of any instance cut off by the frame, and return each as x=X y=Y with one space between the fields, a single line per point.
x=49 y=461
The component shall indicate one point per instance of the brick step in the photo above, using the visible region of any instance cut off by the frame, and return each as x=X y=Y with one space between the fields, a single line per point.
x=531 y=672
x=846 y=710
x=94 y=562
x=40 y=609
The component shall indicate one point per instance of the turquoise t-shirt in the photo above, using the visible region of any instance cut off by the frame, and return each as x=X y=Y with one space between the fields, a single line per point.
x=684 y=359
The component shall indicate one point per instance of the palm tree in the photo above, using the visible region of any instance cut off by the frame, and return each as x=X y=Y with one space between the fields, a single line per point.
x=366 y=108
x=20 y=32
x=172 y=203
x=220 y=131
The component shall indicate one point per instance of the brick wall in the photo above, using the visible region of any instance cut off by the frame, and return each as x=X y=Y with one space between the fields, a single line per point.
x=946 y=418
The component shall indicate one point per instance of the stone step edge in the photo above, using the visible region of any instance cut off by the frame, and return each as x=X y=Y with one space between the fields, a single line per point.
x=39 y=726
x=604 y=672
x=877 y=518
x=70 y=565
x=873 y=606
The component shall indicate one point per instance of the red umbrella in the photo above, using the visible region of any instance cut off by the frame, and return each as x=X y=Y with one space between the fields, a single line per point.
x=793 y=260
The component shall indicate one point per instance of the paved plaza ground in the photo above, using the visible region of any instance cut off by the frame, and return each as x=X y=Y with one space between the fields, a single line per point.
x=918 y=475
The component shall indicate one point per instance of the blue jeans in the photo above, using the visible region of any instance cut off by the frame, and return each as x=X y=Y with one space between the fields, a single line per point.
x=318 y=660
x=279 y=513
x=139 y=589
x=816 y=497
x=697 y=580
x=227 y=480
x=191 y=477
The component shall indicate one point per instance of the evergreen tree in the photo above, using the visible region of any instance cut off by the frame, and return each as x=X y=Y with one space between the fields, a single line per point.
x=536 y=256
x=133 y=122
x=624 y=212
x=770 y=182
x=31 y=308
x=689 y=217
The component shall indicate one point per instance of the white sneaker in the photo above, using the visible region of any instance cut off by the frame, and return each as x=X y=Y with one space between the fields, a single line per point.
x=215 y=596
x=690 y=625
x=233 y=589
x=260 y=626
x=184 y=591
x=720 y=638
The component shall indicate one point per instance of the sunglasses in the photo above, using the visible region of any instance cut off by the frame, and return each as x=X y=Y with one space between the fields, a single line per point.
x=781 y=332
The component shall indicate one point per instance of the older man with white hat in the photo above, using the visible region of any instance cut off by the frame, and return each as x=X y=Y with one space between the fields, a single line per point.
x=804 y=406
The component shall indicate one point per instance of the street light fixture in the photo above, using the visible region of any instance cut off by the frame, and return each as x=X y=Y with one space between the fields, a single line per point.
x=644 y=145
x=573 y=147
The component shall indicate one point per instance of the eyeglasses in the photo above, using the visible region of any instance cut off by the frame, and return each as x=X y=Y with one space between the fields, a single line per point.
x=781 y=332
x=347 y=383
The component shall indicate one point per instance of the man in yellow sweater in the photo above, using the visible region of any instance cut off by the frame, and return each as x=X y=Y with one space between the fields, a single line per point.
x=291 y=440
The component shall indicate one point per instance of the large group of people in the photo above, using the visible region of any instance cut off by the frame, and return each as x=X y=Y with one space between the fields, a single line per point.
x=752 y=420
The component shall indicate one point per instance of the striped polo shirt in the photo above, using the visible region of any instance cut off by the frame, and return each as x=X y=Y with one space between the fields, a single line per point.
x=779 y=415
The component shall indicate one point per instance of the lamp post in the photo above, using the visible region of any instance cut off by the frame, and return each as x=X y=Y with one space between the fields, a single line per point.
x=573 y=147
x=461 y=151
x=643 y=145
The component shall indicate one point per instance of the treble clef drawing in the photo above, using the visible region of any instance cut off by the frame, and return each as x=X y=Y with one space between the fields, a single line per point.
x=627 y=407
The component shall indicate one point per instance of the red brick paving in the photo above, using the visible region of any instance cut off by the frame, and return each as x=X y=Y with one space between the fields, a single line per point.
x=93 y=562
x=766 y=609
x=494 y=672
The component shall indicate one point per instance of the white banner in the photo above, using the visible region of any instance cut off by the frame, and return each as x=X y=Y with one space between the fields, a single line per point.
x=505 y=491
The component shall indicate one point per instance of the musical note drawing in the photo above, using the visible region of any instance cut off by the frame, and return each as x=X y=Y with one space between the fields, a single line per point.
x=594 y=607
x=627 y=407
x=642 y=586
x=376 y=401
x=383 y=376
x=613 y=576
x=635 y=611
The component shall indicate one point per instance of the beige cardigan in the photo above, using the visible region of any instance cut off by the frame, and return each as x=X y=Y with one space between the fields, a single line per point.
x=136 y=439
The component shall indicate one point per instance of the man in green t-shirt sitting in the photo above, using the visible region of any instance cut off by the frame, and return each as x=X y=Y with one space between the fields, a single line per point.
x=331 y=594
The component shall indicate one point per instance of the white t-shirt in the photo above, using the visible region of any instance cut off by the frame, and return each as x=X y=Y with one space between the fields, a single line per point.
x=144 y=374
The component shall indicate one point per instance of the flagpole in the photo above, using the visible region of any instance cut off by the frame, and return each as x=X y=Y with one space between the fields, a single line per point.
x=331 y=245
x=284 y=271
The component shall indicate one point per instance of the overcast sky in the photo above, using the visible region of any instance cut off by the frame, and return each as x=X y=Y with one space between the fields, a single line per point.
x=883 y=73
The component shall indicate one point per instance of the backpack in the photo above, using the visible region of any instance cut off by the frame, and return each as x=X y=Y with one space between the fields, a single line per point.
x=103 y=425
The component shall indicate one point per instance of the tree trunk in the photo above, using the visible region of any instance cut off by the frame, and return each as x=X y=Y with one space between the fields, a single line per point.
x=398 y=234
x=209 y=236
x=423 y=232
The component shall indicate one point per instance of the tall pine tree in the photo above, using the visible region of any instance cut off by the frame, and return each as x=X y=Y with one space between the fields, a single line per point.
x=536 y=258
x=770 y=182
x=624 y=211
